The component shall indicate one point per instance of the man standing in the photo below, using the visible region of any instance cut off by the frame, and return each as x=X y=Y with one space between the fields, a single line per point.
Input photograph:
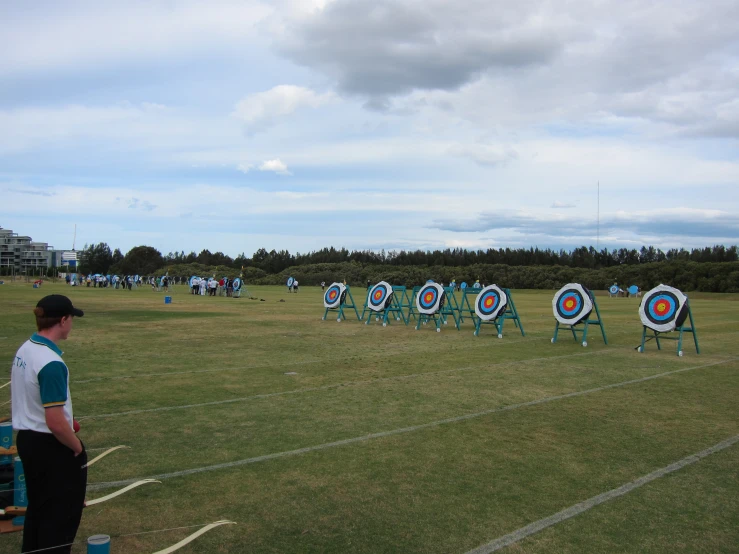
x=54 y=459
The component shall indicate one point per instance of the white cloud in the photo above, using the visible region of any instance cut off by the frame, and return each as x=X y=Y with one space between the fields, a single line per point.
x=275 y=165
x=560 y=204
x=484 y=154
x=262 y=109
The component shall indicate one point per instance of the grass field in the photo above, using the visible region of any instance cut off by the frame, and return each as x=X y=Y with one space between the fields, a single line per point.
x=277 y=379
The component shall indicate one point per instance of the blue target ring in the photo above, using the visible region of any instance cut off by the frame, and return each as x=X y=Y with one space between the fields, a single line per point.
x=463 y=285
x=569 y=304
x=427 y=297
x=613 y=289
x=378 y=296
x=290 y=281
x=662 y=307
x=488 y=302
x=332 y=296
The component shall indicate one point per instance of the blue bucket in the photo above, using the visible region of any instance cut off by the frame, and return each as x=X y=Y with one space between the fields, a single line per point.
x=167 y=299
x=98 y=544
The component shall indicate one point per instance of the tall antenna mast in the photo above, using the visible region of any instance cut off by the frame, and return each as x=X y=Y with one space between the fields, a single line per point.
x=597 y=237
x=74 y=240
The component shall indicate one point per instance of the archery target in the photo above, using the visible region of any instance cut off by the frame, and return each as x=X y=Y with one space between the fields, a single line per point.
x=463 y=285
x=490 y=303
x=237 y=283
x=572 y=304
x=633 y=289
x=430 y=299
x=334 y=296
x=663 y=309
x=380 y=297
x=477 y=285
x=613 y=289
x=290 y=282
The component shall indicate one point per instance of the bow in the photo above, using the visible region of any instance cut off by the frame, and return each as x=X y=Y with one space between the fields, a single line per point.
x=119 y=492
x=194 y=536
x=101 y=456
x=21 y=510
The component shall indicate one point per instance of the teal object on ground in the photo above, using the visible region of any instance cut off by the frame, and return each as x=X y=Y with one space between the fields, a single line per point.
x=6 y=441
x=98 y=544
x=167 y=299
x=20 y=495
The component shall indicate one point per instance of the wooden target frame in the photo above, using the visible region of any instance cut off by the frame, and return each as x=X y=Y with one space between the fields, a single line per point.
x=581 y=296
x=346 y=301
x=430 y=300
x=467 y=310
x=382 y=303
x=665 y=309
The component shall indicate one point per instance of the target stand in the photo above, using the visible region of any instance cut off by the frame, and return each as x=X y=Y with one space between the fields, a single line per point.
x=665 y=309
x=493 y=305
x=573 y=305
x=412 y=303
x=402 y=300
x=508 y=311
x=382 y=304
x=238 y=287
x=451 y=307
x=335 y=300
x=430 y=300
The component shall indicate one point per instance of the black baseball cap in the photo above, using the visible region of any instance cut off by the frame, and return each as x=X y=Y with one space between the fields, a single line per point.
x=58 y=305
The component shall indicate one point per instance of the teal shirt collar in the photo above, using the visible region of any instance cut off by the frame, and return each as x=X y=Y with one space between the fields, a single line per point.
x=38 y=339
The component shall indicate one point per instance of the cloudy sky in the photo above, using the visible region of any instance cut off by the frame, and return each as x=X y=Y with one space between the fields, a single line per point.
x=375 y=124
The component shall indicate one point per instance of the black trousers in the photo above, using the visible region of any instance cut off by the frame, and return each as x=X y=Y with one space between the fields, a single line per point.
x=56 y=484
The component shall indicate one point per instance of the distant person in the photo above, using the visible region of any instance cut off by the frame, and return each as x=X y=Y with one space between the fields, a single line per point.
x=165 y=283
x=323 y=285
x=369 y=284
x=295 y=286
x=54 y=459
x=213 y=286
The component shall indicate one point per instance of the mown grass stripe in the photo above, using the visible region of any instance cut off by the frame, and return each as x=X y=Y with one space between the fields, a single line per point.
x=403 y=430
x=336 y=385
x=572 y=511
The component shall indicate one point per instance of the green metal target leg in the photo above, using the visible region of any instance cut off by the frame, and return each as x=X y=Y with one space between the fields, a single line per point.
x=556 y=331
x=585 y=334
x=643 y=338
x=692 y=328
x=680 y=341
x=656 y=338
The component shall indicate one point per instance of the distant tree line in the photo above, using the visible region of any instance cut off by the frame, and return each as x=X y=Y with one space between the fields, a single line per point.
x=707 y=269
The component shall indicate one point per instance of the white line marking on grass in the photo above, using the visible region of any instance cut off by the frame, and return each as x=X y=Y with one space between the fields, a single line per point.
x=584 y=506
x=403 y=430
x=334 y=386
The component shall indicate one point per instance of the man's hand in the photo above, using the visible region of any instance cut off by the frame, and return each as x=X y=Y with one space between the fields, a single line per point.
x=57 y=423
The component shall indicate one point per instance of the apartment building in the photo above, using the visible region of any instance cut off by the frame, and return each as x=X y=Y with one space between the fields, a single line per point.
x=20 y=254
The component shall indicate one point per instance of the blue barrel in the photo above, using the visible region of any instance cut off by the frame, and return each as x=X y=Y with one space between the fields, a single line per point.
x=6 y=441
x=98 y=544
x=167 y=299
x=20 y=496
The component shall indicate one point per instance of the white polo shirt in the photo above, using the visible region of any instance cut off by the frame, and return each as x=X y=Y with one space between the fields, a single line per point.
x=39 y=380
